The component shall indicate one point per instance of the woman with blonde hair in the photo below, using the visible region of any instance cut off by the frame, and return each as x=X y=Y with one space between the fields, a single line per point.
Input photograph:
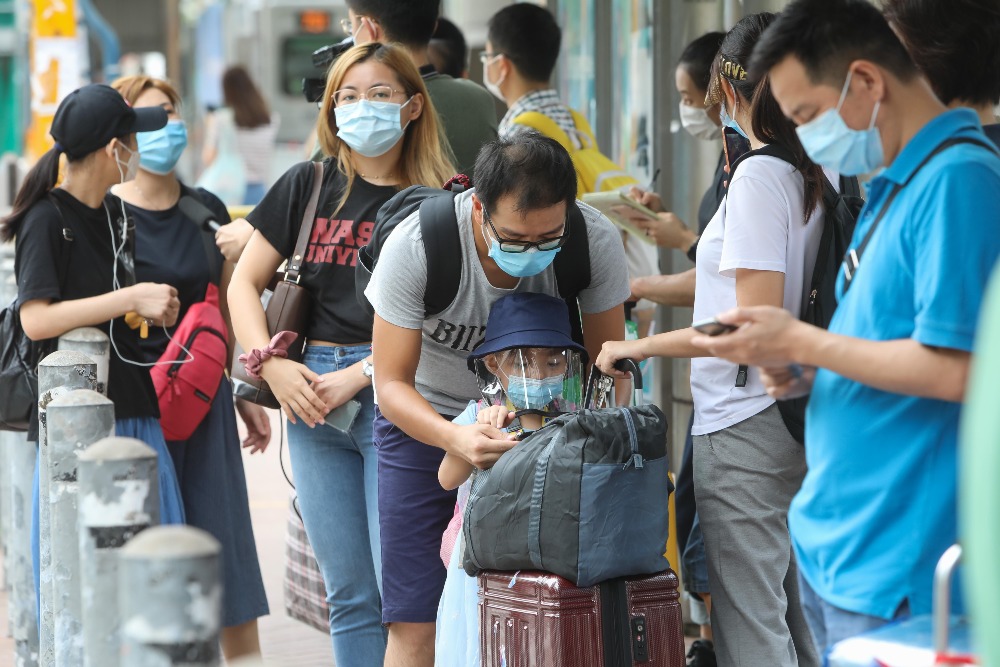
x=381 y=131
x=172 y=248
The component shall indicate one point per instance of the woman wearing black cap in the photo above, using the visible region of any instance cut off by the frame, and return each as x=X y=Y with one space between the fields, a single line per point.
x=74 y=262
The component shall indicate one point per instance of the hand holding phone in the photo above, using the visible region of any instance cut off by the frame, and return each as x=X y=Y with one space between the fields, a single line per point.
x=342 y=418
x=713 y=327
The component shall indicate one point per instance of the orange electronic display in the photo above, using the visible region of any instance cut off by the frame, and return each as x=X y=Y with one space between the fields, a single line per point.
x=314 y=21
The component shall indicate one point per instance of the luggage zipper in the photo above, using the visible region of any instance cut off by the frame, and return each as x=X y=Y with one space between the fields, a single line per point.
x=182 y=355
x=633 y=440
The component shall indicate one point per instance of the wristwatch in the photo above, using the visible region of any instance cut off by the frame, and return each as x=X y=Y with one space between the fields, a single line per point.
x=368 y=368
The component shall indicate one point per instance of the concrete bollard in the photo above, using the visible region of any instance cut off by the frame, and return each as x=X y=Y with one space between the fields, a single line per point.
x=119 y=498
x=95 y=344
x=58 y=373
x=171 y=598
x=74 y=421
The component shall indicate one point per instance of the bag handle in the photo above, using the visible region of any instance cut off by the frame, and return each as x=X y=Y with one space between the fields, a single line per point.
x=305 y=230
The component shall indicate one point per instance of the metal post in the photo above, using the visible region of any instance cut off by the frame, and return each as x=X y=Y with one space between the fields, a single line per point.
x=95 y=344
x=58 y=373
x=119 y=498
x=24 y=616
x=74 y=421
x=171 y=598
x=7 y=292
x=19 y=455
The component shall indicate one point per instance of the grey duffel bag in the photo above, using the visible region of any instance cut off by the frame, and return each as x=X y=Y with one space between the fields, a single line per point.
x=584 y=497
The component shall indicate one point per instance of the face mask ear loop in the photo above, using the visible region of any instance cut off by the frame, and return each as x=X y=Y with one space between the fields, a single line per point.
x=878 y=103
x=844 y=90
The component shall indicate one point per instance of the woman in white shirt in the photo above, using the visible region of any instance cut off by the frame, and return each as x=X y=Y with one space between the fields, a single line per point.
x=759 y=249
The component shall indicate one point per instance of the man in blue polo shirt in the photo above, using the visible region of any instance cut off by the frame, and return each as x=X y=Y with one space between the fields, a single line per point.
x=878 y=505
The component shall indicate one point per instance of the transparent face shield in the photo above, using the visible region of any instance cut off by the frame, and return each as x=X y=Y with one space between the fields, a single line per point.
x=542 y=380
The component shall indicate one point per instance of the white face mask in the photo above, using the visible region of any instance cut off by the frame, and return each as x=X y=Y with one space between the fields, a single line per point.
x=131 y=167
x=494 y=88
x=698 y=124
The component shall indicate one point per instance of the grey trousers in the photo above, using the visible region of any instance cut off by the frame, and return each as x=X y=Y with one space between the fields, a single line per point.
x=744 y=479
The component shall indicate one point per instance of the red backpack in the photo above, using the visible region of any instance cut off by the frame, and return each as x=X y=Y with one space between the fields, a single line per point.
x=186 y=389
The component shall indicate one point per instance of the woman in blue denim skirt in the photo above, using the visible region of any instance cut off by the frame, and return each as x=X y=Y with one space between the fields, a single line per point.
x=377 y=124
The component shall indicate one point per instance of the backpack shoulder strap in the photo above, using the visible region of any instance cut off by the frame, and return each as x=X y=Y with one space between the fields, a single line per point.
x=772 y=150
x=583 y=129
x=545 y=125
x=572 y=268
x=443 y=249
x=212 y=254
x=62 y=266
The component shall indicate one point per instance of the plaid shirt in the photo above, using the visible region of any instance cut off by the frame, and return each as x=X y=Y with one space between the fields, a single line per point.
x=543 y=101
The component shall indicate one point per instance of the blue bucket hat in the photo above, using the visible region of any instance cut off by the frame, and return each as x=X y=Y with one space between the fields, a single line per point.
x=525 y=319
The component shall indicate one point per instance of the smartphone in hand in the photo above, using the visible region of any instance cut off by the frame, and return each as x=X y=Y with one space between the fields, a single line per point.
x=342 y=418
x=713 y=327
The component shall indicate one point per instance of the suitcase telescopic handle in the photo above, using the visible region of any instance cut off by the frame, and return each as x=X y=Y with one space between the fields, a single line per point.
x=631 y=366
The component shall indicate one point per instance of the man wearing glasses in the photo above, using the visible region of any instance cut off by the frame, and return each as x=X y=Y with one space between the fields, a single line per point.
x=511 y=227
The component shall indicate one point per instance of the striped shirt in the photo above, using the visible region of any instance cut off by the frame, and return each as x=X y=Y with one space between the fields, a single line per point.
x=256 y=147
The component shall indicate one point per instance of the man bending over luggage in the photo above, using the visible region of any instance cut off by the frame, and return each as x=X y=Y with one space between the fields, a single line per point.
x=515 y=236
x=526 y=362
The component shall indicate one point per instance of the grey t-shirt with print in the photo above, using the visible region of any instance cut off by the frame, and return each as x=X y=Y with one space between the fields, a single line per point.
x=397 y=287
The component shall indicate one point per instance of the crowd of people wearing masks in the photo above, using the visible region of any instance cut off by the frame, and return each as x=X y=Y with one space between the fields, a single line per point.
x=786 y=549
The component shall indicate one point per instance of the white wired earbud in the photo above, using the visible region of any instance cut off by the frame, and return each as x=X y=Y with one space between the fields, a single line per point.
x=115 y=285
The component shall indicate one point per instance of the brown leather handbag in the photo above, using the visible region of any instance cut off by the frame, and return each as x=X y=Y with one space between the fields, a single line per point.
x=287 y=310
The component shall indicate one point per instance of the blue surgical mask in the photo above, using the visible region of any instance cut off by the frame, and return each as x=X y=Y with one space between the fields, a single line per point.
x=160 y=150
x=831 y=143
x=519 y=264
x=533 y=394
x=728 y=121
x=370 y=128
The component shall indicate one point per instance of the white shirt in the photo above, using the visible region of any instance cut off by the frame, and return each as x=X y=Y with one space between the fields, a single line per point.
x=759 y=226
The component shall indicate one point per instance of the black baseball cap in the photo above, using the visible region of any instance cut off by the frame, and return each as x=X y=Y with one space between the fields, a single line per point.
x=91 y=116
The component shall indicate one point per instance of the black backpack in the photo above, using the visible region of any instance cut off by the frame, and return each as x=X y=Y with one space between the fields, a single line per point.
x=443 y=248
x=841 y=210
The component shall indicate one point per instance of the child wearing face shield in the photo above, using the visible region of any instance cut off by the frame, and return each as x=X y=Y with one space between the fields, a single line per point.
x=529 y=370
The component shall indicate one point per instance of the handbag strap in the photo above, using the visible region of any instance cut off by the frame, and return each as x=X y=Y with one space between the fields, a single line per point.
x=305 y=230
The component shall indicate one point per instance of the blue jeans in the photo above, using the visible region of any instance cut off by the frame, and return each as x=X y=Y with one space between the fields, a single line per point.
x=336 y=477
x=830 y=624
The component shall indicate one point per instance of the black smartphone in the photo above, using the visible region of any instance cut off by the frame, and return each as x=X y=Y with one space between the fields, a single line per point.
x=735 y=145
x=713 y=327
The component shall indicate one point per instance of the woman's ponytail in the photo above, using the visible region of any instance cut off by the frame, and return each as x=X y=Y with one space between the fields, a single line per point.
x=38 y=183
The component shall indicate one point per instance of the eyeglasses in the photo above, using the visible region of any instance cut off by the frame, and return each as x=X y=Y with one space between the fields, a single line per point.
x=345 y=25
x=509 y=245
x=346 y=96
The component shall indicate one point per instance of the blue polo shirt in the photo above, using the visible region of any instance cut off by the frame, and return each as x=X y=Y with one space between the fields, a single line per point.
x=878 y=505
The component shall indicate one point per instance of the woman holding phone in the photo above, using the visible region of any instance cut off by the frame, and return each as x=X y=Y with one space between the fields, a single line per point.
x=758 y=249
x=377 y=123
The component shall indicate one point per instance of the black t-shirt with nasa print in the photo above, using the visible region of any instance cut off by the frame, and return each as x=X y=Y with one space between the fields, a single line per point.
x=332 y=254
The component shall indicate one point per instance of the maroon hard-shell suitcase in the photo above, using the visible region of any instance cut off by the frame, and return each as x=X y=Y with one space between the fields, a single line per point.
x=537 y=619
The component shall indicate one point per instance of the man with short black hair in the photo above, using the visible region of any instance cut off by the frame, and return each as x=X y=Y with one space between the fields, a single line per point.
x=956 y=45
x=466 y=110
x=522 y=47
x=878 y=504
x=510 y=229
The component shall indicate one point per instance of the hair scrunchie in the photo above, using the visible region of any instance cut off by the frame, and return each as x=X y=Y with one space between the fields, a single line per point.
x=278 y=347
